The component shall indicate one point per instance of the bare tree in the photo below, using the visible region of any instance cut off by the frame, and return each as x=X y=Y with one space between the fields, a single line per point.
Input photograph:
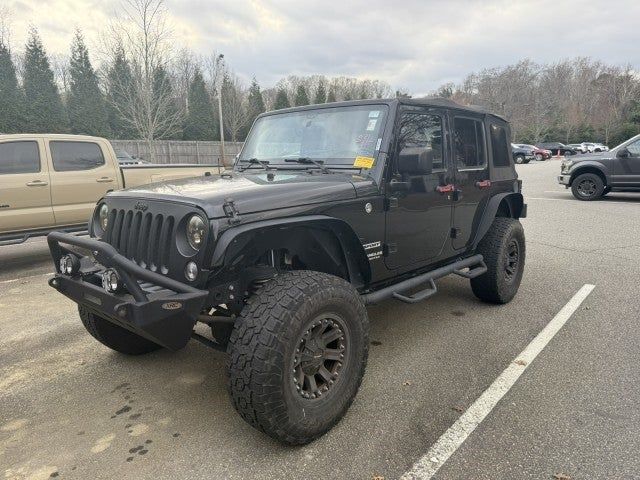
x=151 y=107
x=6 y=16
x=234 y=105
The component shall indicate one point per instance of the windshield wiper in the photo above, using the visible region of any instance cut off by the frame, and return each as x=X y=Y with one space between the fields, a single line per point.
x=309 y=161
x=254 y=161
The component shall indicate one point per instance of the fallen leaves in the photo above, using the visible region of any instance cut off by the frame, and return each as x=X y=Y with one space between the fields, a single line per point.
x=458 y=409
x=561 y=476
x=407 y=383
x=520 y=362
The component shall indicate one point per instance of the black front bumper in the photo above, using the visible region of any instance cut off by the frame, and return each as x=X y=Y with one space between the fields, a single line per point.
x=156 y=307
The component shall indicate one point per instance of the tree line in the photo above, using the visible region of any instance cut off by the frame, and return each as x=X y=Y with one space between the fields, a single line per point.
x=145 y=88
x=571 y=101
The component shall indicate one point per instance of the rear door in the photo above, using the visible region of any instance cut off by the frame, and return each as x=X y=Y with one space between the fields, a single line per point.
x=471 y=171
x=80 y=176
x=25 y=190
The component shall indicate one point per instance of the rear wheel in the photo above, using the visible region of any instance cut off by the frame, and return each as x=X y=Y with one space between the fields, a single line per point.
x=519 y=159
x=503 y=249
x=539 y=157
x=115 y=337
x=587 y=187
x=297 y=355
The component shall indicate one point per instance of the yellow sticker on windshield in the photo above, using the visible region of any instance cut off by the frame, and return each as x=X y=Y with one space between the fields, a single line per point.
x=363 y=162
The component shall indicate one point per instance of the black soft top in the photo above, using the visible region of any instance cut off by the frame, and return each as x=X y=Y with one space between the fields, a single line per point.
x=424 y=102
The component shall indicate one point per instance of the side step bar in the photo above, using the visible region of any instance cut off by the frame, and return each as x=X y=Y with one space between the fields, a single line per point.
x=475 y=264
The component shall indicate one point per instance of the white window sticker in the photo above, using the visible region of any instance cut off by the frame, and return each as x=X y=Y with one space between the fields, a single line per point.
x=374 y=113
x=372 y=124
x=378 y=144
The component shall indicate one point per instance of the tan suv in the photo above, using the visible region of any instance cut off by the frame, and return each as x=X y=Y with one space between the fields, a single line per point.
x=52 y=182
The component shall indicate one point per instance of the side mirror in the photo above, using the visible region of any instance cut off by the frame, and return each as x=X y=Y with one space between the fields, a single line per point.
x=415 y=161
x=623 y=153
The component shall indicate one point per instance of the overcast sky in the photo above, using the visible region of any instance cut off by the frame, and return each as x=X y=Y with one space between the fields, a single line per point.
x=412 y=44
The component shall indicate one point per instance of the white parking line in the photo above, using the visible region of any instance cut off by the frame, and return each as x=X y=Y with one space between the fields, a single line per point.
x=426 y=467
x=602 y=202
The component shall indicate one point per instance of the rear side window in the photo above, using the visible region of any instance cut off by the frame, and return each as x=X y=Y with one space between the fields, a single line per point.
x=73 y=156
x=19 y=157
x=499 y=146
x=422 y=130
x=468 y=136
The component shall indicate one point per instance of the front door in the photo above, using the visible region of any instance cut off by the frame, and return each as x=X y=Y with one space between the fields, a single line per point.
x=471 y=177
x=80 y=176
x=419 y=219
x=25 y=191
x=626 y=171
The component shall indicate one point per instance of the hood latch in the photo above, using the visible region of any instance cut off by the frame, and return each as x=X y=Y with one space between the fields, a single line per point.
x=231 y=211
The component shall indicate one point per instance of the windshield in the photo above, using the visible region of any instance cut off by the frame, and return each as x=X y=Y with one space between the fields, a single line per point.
x=340 y=136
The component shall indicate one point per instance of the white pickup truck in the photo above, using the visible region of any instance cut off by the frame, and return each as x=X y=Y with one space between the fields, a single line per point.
x=52 y=182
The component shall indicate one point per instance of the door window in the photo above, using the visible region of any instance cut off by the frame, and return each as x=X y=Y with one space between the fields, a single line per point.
x=499 y=146
x=422 y=130
x=19 y=157
x=468 y=137
x=74 y=156
x=634 y=148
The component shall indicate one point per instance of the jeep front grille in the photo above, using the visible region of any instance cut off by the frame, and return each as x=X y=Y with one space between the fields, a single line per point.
x=145 y=238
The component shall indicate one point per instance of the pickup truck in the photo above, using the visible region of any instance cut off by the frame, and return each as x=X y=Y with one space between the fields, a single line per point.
x=52 y=182
x=592 y=176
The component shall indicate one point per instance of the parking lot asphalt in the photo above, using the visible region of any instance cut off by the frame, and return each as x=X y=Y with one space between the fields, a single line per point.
x=70 y=408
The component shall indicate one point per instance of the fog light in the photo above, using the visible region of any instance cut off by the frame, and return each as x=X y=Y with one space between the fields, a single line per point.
x=191 y=271
x=69 y=264
x=111 y=281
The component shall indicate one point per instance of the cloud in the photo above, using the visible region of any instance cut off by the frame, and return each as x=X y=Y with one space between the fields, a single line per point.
x=413 y=44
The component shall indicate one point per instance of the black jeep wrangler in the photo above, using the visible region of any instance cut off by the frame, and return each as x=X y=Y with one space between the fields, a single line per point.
x=328 y=208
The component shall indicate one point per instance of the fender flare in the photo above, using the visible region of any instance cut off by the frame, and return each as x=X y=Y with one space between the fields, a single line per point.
x=517 y=209
x=580 y=168
x=358 y=265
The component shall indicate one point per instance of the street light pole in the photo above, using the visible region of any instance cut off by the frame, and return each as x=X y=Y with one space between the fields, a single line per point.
x=218 y=60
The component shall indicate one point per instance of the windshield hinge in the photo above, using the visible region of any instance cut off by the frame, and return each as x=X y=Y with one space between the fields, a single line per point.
x=231 y=211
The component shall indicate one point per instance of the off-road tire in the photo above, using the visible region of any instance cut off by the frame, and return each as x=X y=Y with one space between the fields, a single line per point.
x=496 y=285
x=262 y=352
x=115 y=337
x=581 y=192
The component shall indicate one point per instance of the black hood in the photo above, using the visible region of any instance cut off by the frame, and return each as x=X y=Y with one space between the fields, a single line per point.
x=255 y=191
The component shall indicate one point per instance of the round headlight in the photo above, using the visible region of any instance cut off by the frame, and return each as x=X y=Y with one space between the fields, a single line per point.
x=196 y=229
x=103 y=215
x=69 y=264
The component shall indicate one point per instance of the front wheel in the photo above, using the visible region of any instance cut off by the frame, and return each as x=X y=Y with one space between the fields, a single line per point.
x=503 y=249
x=587 y=187
x=539 y=157
x=297 y=355
x=519 y=159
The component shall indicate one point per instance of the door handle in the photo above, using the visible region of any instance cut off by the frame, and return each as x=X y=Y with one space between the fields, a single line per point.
x=483 y=184
x=449 y=188
x=104 y=180
x=37 y=183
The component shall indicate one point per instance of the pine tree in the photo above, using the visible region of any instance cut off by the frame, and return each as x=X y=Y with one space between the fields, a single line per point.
x=43 y=112
x=255 y=104
x=200 y=123
x=86 y=107
x=119 y=84
x=10 y=95
x=282 y=101
x=332 y=95
x=321 y=93
x=301 y=96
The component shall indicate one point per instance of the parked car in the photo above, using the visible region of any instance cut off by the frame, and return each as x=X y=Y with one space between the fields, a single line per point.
x=579 y=147
x=328 y=208
x=125 y=159
x=52 y=182
x=557 y=148
x=595 y=147
x=592 y=176
x=539 y=154
x=521 y=155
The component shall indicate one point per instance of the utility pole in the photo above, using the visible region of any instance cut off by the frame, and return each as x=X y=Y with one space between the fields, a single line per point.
x=220 y=59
